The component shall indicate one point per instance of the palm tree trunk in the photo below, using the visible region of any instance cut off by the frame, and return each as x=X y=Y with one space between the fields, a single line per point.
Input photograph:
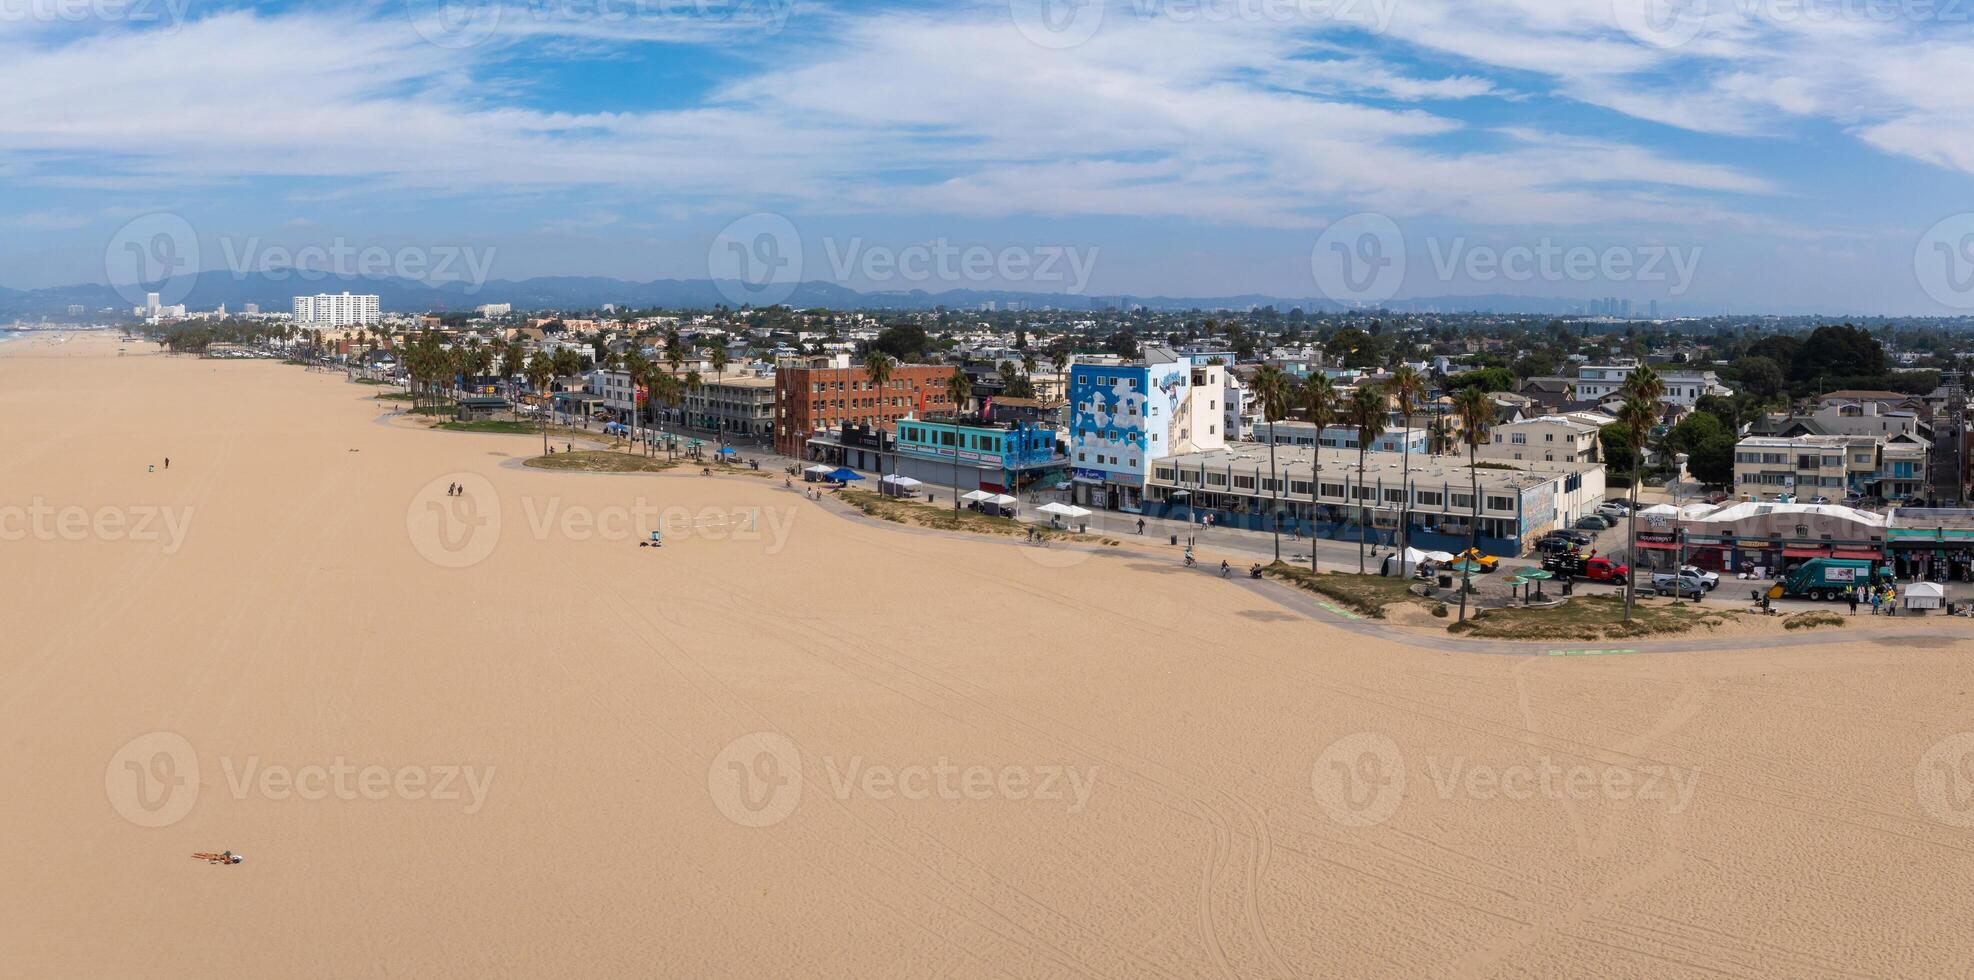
x=1315 y=498
x=1363 y=512
x=1473 y=534
x=1631 y=548
x=1405 y=506
x=1276 y=493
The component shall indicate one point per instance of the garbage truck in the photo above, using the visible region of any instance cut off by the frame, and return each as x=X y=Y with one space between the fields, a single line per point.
x=1823 y=579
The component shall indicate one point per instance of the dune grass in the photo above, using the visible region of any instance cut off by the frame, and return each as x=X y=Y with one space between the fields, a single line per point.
x=602 y=461
x=1592 y=617
x=943 y=517
x=1367 y=594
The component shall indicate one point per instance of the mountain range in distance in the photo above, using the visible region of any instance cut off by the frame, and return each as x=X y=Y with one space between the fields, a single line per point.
x=274 y=292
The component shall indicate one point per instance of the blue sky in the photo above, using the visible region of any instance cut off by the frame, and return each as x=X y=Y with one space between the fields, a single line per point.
x=1733 y=154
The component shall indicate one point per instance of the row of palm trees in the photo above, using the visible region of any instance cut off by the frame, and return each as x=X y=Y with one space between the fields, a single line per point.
x=1366 y=410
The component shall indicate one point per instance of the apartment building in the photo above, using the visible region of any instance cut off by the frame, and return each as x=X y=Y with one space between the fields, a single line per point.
x=342 y=310
x=1124 y=416
x=1548 y=438
x=1596 y=382
x=817 y=395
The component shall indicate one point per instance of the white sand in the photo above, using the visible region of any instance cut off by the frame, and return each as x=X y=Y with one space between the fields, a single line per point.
x=1794 y=825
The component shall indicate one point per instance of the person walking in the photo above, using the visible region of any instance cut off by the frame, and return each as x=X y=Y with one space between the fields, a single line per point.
x=1141 y=525
x=1851 y=594
x=1874 y=602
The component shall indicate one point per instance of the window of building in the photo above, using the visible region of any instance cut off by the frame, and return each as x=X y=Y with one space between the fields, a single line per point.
x=1500 y=503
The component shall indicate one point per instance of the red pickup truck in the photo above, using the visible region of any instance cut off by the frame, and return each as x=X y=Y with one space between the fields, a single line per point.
x=1592 y=569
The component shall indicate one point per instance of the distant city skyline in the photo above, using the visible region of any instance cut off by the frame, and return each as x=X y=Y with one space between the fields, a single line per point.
x=1726 y=157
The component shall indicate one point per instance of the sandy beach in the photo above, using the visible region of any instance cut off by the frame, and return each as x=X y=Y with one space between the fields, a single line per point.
x=490 y=735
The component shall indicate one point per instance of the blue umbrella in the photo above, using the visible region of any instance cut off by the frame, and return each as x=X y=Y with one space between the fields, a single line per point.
x=845 y=474
x=726 y=451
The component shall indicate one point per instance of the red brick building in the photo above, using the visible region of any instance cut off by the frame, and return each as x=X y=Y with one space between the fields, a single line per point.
x=810 y=398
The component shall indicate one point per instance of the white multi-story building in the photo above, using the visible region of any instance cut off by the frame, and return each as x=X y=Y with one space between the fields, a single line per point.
x=336 y=310
x=1596 y=382
x=494 y=309
x=1548 y=438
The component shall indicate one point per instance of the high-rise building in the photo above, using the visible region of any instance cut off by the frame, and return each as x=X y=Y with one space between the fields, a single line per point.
x=332 y=310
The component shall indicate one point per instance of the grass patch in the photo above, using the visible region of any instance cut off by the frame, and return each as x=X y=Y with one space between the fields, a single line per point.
x=945 y=518
x=371 y=381
x=394 y=396
x=601 y=461
x=1816 y=619
x=486 y=425
x=1592 y=617
x=1367 y=594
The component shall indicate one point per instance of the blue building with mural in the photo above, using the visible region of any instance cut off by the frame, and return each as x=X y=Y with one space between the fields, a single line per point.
x=1125 y=415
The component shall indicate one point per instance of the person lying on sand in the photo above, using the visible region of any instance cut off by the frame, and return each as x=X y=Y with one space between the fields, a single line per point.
x=223 y=857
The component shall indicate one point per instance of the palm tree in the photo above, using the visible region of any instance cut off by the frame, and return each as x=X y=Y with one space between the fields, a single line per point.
x=1409 y=389
x=637 y=371
x=958 y=389
x=1367 y=413
x=1059 y=357
x=1642 y=391
x=1318 y=395
x=1028 y=364
x=1273 y=390
x=1476 y=412
x=877 y=366
x=541 y=371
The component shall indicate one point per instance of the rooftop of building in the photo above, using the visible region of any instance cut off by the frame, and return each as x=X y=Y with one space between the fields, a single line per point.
x=1253 y=457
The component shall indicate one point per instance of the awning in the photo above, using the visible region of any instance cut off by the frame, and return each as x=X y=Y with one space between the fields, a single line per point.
x=1857 y=554
x=1805 y=552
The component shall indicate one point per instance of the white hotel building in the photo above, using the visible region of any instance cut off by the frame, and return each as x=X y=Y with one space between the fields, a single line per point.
x=331 y=310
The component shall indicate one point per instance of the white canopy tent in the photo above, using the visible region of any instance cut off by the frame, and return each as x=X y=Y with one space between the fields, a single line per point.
x=903 y=481
x=1062 y=510
x=976 y=496
x=1002 y=500
x=1925 y=595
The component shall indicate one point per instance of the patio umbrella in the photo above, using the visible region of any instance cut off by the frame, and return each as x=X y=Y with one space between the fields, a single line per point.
x=1466 y=566
x=727 y=451
x=1534 y=575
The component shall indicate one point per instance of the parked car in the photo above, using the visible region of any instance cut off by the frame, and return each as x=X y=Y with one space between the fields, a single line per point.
x=1573 y=537
x=1554 y=546
x=1680 y=584
x=1819 y=499
x=1488 y=563
x=1717 y=496
x=1612 y=512
x=1594 y=569
x=1710 y=579
x=1592 y=522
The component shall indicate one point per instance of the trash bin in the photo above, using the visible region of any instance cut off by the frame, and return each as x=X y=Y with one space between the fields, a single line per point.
x=1175 y=539
x=1446 y=581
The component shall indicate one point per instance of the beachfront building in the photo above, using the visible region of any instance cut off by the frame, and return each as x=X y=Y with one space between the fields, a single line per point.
x=336 y=310
x=1123 y=416
x=1596 y=382
x=816 y=395
x=1549 y=438
x=1003 y=458
x=1806 y=467
x=1756 y=536
x=1293 y=433
x=1231 y=486
x=742 y=407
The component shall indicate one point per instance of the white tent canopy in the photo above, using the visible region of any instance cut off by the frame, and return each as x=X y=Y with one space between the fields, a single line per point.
x=1062 y=510
x=1925 y=595
x=903 y=481
x=1002 y=500
x=820 y=468
x=976 y=496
